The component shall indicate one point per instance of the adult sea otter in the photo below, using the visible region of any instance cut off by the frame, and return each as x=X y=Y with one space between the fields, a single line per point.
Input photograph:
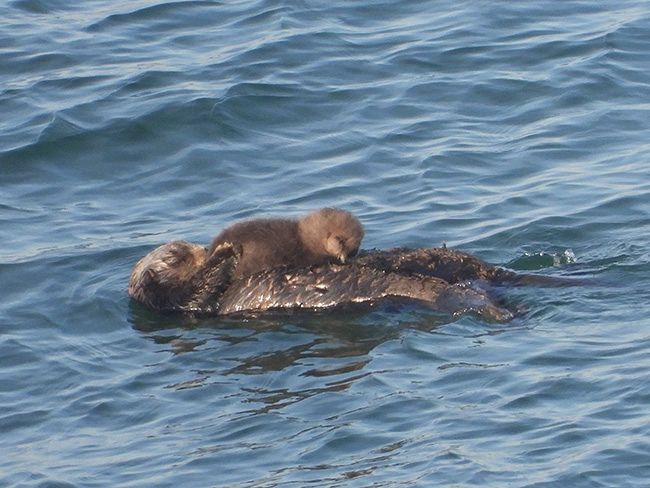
x=184 y=277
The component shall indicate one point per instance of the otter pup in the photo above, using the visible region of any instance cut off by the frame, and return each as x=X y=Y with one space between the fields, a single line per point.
x=323 y=236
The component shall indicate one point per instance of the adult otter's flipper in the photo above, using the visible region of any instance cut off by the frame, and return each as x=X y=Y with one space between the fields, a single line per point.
x=333 y=285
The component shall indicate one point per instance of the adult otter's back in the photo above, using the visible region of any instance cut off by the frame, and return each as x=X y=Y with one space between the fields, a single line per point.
x=323 y=236
x=181 y=276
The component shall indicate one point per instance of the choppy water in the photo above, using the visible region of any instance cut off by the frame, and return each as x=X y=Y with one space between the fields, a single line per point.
x=514 y=130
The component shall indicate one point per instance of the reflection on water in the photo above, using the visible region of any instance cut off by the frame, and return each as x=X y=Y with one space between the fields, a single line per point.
x=309 y=344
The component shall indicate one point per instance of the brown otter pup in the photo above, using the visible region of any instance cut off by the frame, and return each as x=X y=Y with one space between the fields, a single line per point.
x=324 y=236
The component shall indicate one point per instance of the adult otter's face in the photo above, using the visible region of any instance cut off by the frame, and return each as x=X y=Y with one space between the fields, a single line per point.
x=174 y=262
x=160 y=279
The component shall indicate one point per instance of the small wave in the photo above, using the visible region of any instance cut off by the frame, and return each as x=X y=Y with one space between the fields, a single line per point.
x=60 y=127
x=541 y=260
x=168 y=10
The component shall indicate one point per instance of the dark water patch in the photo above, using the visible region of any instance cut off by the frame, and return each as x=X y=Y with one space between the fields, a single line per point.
x=41 y=6
x=70 y=145
x=40 y=63
x=55 y=92
x=164 y=16
x=276 y=107
x=22 y=420
x=266 y=15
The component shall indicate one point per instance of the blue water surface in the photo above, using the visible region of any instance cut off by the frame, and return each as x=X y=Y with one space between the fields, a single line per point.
x=517 y=131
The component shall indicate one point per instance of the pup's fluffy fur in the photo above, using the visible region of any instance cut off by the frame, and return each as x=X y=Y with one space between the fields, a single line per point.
x=326 y=235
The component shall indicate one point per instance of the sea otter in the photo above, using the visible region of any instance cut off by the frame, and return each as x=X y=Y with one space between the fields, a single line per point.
x=324 y=236
x=184 y=277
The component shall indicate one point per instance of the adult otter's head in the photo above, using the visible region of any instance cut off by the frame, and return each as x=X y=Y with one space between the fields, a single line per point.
x=181 y=276
x=331 y=232
x=161 y=279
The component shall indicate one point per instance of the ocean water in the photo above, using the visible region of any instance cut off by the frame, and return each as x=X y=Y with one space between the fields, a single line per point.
x=518 y=131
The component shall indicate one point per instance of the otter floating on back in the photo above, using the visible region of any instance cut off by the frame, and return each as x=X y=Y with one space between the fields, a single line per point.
x=268 y=264
x=183 y=277
x=324 y=236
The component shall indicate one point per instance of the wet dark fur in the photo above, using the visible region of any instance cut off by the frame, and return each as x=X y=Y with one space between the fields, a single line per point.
x=324 y=236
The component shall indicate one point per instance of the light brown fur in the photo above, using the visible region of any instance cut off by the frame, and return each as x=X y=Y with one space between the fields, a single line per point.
x=326 y=235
